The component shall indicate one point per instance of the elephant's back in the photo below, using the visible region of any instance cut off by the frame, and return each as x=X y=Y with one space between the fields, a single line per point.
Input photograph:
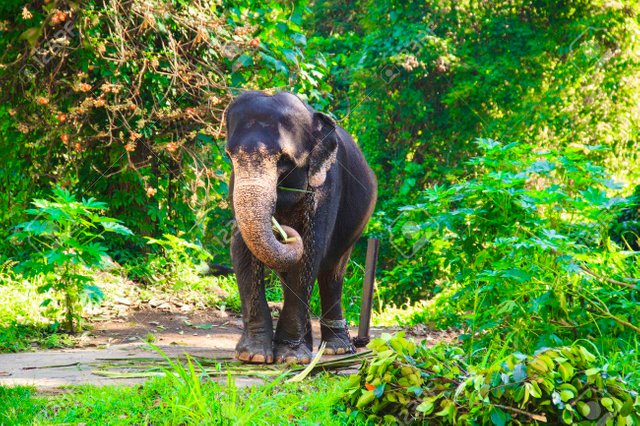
x=357 y=196
x=358 y=177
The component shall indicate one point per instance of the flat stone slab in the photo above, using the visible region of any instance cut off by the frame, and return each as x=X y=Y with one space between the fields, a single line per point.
x=56 y=368
x=47 y=370
x=116 y=346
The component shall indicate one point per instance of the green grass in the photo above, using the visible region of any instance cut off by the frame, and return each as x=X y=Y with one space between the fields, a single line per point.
x=23 y=321
x=175 y=400
x=16 y=337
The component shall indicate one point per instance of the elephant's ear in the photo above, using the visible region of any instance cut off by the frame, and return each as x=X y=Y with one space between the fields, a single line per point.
x=323 y=154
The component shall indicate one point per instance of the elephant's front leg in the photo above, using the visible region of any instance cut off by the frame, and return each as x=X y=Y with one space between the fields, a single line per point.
x=256 y=343
x=293 y=341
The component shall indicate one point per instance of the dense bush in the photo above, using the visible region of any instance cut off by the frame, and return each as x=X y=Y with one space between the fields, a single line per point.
x=514 y=246
x=521 y=253
x=129 y=105
x=417 y=82
x=407 y=382
x=124 y=100
x=625 y=229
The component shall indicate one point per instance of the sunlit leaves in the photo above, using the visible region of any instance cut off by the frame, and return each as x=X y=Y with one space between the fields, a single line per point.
x=555 y=383
x=515 y=235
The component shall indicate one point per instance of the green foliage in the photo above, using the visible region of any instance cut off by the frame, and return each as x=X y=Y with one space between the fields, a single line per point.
x=176 y=265
x=23 y=321
x=64 y=239
x=417 y=82
x=13 y=412
x=125 y=100
x=409 y=382
x=429 y=77
x=522 y=246
x=625 y=230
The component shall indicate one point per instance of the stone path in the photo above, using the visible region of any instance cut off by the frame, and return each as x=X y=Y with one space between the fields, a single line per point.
x=111 y=344
x=118 y=342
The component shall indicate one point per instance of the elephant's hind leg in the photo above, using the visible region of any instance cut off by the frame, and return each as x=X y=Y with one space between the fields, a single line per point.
x=333 y=326
x=256 y=343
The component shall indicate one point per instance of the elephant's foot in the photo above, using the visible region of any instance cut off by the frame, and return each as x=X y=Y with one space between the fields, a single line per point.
x=292 y=352
x=256 y=349
x=336 y=337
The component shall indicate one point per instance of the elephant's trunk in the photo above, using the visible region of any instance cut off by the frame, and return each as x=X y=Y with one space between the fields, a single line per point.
x=254 y=203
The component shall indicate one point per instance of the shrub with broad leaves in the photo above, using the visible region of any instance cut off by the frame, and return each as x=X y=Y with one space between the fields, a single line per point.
x=407 y=382
x=65 y=240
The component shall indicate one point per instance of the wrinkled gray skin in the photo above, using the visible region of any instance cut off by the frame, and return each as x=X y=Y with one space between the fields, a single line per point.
x=280 y=141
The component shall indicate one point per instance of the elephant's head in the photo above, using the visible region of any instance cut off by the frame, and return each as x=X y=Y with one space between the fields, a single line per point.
x=275 y=141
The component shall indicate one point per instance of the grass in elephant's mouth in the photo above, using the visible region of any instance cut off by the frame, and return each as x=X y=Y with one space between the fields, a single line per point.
x=285 y=188
x=185 y=399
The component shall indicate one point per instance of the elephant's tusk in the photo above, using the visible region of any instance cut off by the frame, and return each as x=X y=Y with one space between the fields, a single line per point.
x=276 y=227
x=283 y=235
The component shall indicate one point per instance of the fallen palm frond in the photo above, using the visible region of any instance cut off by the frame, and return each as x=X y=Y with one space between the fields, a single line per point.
x=304 y=373
x=161 y=372
x=42 y=367
x=146 y=367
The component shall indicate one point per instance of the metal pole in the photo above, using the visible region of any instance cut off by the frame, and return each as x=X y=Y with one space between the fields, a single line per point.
x=367 y=293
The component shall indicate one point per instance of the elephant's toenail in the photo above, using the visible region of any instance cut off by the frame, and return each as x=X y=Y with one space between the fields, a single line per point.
x=258 y=358
x=243 y=356
x=290 y=359
x=341 y=351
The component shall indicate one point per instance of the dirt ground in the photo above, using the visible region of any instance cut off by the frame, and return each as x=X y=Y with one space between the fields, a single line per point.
x=119 y=344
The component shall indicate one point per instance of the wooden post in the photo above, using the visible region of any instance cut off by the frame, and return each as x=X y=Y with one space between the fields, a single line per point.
x=367 y=293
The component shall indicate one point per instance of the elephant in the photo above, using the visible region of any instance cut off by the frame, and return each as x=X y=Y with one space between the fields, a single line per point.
x=294 y=164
